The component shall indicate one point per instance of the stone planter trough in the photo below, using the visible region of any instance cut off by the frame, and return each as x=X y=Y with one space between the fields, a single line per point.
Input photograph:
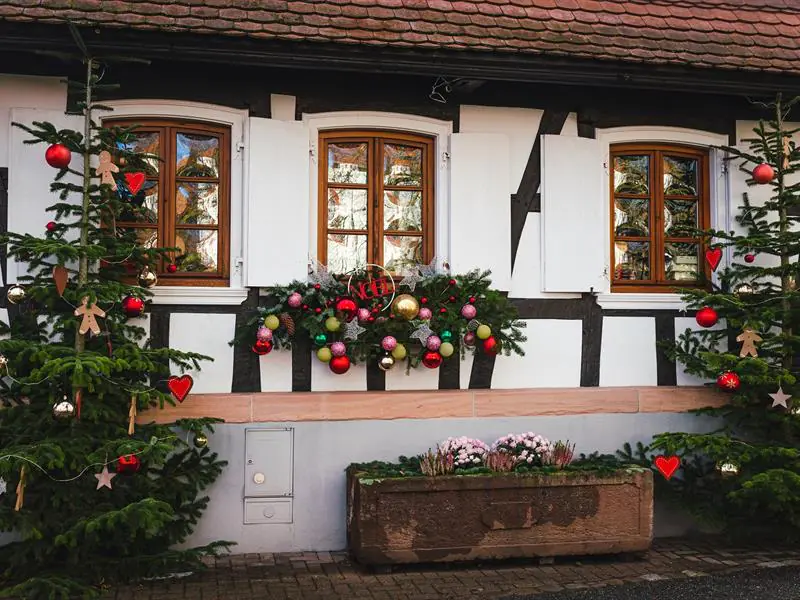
x=458 y=518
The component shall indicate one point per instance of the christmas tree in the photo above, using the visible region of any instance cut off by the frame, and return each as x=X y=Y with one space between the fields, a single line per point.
x=745 y=476
x=99 y=499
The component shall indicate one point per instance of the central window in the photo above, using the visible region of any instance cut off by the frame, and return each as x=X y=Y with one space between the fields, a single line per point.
x=375 y=200
x=659 y=199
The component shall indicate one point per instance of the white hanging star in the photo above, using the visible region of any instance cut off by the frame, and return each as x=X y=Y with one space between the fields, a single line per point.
x=104 y=478
x=352 y=330
x=428 y=270
x=779 y=398
x=318 y=273
x=3 y=486
x=412 y=279
x=422 y=333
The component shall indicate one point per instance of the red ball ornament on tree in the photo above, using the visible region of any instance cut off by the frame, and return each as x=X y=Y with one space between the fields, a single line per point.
x=339 y=364
x=127 y=465
x=491 y=345
x=423 y=300
x=58 y=156
x=706 y=317
x=132 y=306
x=452 y=282
x=262 y=347
x=443 y=310
x=748 y=258
x=172 y=268
x=432 y=360
x=763 y=173
x=51 y=226
x=347 y=307
x=728 y=381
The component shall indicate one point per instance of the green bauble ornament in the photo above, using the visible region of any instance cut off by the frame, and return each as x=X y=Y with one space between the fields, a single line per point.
x=446 y=336
x=320 y=339
x=332 y=324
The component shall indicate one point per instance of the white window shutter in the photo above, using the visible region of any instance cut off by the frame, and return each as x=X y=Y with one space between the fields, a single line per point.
x=574 y=210
x=278 y=202
x=480 y=206
x=29 y=176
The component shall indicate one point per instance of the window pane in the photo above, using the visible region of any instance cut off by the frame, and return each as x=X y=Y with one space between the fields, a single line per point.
x=197 y=155
x=680 y=217
x=198 y=250
x=681 y=261
x=147 y=238
x=197 y=203
x=347 y=162
x=346 y=252
x=401 y=253
x=143 y=143
x=680 y=176
x=631 y=260
x=632 y=174
x=347 y=209
x=402 y=165
x=402 y=211
x=631 y=217
x=143 y=207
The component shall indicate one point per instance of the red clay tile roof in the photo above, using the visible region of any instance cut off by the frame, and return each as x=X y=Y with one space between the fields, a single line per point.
x=753 y=35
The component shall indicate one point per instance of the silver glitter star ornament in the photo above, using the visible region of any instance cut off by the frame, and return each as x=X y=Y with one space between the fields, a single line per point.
x=352 y=330
x=104 y=478
x=422 y=333
x=412 y=279
x=318 y=274
x=3 y=486
x=779 y=398
x=428 y=270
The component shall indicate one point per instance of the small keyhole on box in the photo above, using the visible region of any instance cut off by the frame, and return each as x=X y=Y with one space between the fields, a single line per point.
x=249 y=461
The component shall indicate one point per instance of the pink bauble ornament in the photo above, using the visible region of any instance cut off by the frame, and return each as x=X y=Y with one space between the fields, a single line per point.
x=425 y=314
x=338 y=349
x=468 y=311
x=389 y=343
x=294 y=300
x=363 y=314
x=264 y=334
x=469 y=339
x=434 y=342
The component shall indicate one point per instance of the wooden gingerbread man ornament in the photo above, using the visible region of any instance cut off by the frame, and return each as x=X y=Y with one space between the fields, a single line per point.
x=90 y=314
x=748 y=337
x=105 y=170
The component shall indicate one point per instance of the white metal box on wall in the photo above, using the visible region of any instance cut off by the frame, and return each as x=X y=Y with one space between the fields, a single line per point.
x=268 y=475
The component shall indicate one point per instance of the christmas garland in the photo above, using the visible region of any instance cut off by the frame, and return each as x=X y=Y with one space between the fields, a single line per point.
x=426 y=318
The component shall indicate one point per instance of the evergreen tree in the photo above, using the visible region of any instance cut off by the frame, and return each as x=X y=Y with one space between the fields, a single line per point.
x=745 y=476
x=69 y=398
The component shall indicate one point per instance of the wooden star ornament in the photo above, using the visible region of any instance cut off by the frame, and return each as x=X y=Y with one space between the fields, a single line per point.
x=779 y=398
x=104 y=478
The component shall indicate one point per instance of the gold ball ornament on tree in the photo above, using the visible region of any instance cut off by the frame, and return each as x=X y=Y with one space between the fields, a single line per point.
x=446 y=349
x=15 y=294
x=64 y=409
x=385 y=362
x=483 y=332
x=147 y=278
x=405 y=306
x=744 y=289
x=332 y=324
x=727 y=468
x=324 y=354
x=399 y=352
x=272 y=322
x=200 y=440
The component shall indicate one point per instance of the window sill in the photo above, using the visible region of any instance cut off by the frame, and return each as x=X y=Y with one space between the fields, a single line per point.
x=633 y=301
x=198 y=295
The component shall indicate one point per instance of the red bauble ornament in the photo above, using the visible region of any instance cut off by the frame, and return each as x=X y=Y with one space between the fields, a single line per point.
x=262 y=347
x=452 y=282
x=452 y=298
x=347 y=307
x=763 y=173
x=472 y=299
x=423 y=300
x=443 y=310
x=431 y=359
x=706 y=317
x=58 y=156
x=51 y=226
x=129 y=464
x=748 y=258
x=317 y=286
x=318 y=310
x=172 y=268
x=728 y=381
x=305 y=307
x=132 y=306
x=339 y=364
x=491 y=345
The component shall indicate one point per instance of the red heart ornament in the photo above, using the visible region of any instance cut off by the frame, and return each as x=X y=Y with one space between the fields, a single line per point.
x=180 y=386
x=713 y=256
x=135 y=181
x=667 y=465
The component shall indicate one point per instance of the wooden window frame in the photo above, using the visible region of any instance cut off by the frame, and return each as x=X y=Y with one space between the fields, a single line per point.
x=167 y=223
x=657 y=239
x=375 y=140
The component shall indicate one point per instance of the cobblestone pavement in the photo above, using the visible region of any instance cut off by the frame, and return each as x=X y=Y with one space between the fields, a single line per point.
x=332 y=576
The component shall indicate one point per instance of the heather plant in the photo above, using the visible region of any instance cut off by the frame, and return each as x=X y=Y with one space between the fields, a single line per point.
x=500 y=462
x=467 y=452
x=559 y=454
x=437 y=463
x=526 y=448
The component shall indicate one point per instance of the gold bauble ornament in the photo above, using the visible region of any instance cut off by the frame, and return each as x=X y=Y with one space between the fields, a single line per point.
x=727 y=468
x=324 y=354
x=64 y=409
x=272 y=322
x=483 y=332
x=446 y=349
x=332 y=324
x=3 y=361
x=399 y=352
x=744 y=289
x=405 y=306
x=15 y=294
x=200 y=440
x=386 y=362
x=147 y=278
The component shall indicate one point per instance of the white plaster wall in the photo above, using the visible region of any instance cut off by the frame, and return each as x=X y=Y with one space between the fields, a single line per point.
x=324 y=380
x=322 y=450
x=207 y=334
x=552 y=357
x=276 y=371
x=628 y=351
x=22 y=91
x=420 y=378
x=681 y=325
